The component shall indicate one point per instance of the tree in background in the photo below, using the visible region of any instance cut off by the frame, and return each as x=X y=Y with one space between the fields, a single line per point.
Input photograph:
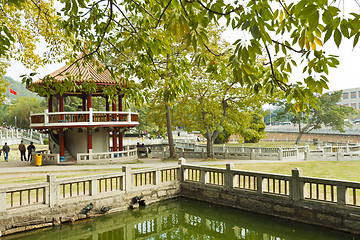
x=20 y=108
x=325 y=112
x=256 y=130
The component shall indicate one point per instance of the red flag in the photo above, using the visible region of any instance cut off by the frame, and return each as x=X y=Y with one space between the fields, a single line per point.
x=12 y=91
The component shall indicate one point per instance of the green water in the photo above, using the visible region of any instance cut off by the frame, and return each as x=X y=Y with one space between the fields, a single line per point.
x=184 y=219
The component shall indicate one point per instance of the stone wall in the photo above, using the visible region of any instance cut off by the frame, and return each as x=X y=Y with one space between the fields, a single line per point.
x=331 y=217
x=320 y=137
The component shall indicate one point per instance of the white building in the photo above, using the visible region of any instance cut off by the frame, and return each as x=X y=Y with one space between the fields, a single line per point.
x=350 y=97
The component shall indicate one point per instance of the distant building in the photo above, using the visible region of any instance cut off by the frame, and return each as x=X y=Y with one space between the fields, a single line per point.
x=350 y=97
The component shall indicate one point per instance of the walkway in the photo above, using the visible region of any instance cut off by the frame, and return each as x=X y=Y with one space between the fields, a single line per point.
x=25 y=167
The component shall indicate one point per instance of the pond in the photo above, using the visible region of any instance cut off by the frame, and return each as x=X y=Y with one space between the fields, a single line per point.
x=184 y=219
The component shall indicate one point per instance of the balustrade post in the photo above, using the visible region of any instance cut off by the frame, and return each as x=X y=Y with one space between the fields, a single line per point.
x=204 y=176
x=242 y=147
x=280 y=154
x=164 y=153
x=226 y=153
x=259 y=149
x=229 y=177
x=342 y=192
x=46 y=116
x=296 y=187
x=128 y=178
x=252 y=154
x=2 y=201
x=182 y=176
x=203 y=153
x=91 y=115
x=259 y=184
x=338 y=156
x=52 y=196
x=129 y=116
x=93 y=187
x=157 y=177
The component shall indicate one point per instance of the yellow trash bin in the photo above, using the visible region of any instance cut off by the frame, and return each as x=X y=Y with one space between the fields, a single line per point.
x=38 y=160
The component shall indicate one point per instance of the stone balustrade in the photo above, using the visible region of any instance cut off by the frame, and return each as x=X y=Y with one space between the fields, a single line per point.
x=304 y=199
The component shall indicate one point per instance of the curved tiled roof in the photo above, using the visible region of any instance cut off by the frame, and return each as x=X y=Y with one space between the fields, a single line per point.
x=82 y=71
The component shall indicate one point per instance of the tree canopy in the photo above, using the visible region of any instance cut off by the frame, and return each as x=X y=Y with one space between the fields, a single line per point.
x=270 y=30
x=327 y=113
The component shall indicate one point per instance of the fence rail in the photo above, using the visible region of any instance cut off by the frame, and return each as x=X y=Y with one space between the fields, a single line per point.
x=293 y=187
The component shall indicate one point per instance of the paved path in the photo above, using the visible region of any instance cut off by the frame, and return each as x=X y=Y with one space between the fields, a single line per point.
x=17 y=166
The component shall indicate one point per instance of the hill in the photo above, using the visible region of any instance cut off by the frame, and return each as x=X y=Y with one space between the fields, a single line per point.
x=19 y=88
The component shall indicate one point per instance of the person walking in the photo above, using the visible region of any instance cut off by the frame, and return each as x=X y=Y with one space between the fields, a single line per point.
x=22 y=150
x=31 y=149
x=6 y=150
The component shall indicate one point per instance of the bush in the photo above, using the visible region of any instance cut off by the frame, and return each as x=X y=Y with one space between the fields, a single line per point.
x=222 y=138
x=46 y=141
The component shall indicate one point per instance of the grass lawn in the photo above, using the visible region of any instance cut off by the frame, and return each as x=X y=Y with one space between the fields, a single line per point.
x=342 y=170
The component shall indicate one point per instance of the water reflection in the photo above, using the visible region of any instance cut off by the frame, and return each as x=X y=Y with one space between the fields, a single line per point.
x=185 y=219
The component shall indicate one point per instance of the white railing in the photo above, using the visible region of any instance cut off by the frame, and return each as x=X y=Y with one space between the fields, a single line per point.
x=54 y=192
x=83 y=118
x=117 y=156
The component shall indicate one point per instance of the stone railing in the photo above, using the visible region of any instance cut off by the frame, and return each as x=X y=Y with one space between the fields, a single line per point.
x=56 y=192
x=106 y=157
x=304 y=199
x=279 y=155
x=294 y=187
x=13 y=136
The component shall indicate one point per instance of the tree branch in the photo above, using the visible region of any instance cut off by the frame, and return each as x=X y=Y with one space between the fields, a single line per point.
x=157 y=24
x=288 y=47
x=281 y=84
x=219 y=13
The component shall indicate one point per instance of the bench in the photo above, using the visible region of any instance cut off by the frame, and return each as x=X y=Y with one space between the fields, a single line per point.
x=142 y=151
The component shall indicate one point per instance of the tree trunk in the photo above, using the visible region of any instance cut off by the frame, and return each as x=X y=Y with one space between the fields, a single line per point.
x=209 y=145
x=169 y=132
x=300 y=130
x=210 y=138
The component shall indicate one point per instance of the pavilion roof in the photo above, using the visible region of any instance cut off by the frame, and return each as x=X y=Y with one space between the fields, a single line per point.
x=82 y=71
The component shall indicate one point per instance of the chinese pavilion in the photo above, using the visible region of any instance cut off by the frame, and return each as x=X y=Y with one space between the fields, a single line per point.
x=84 y=134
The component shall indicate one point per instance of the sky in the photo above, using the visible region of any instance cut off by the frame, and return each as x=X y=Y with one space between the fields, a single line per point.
x=346 y=75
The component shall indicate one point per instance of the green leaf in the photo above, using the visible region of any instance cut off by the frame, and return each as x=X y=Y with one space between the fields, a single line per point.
x=337 y=37
x=255 y=31
x=356 y=39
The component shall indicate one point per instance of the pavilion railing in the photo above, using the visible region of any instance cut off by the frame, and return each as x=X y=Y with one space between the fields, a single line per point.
x=83 y=118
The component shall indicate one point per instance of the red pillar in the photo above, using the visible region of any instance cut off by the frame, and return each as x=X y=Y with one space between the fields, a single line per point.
x=115 y=129
x=61 y=107
x=83 y=102
x=120 y=103
x=50 y=103
x=88 y=101
x=61 y=145
x=121 y=147
x=89 y=139
x=120 y=133
x=107 y=105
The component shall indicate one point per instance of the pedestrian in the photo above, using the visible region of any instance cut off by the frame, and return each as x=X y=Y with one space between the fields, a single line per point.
x=6 y=150
x=22 y=150
x=31 y=149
